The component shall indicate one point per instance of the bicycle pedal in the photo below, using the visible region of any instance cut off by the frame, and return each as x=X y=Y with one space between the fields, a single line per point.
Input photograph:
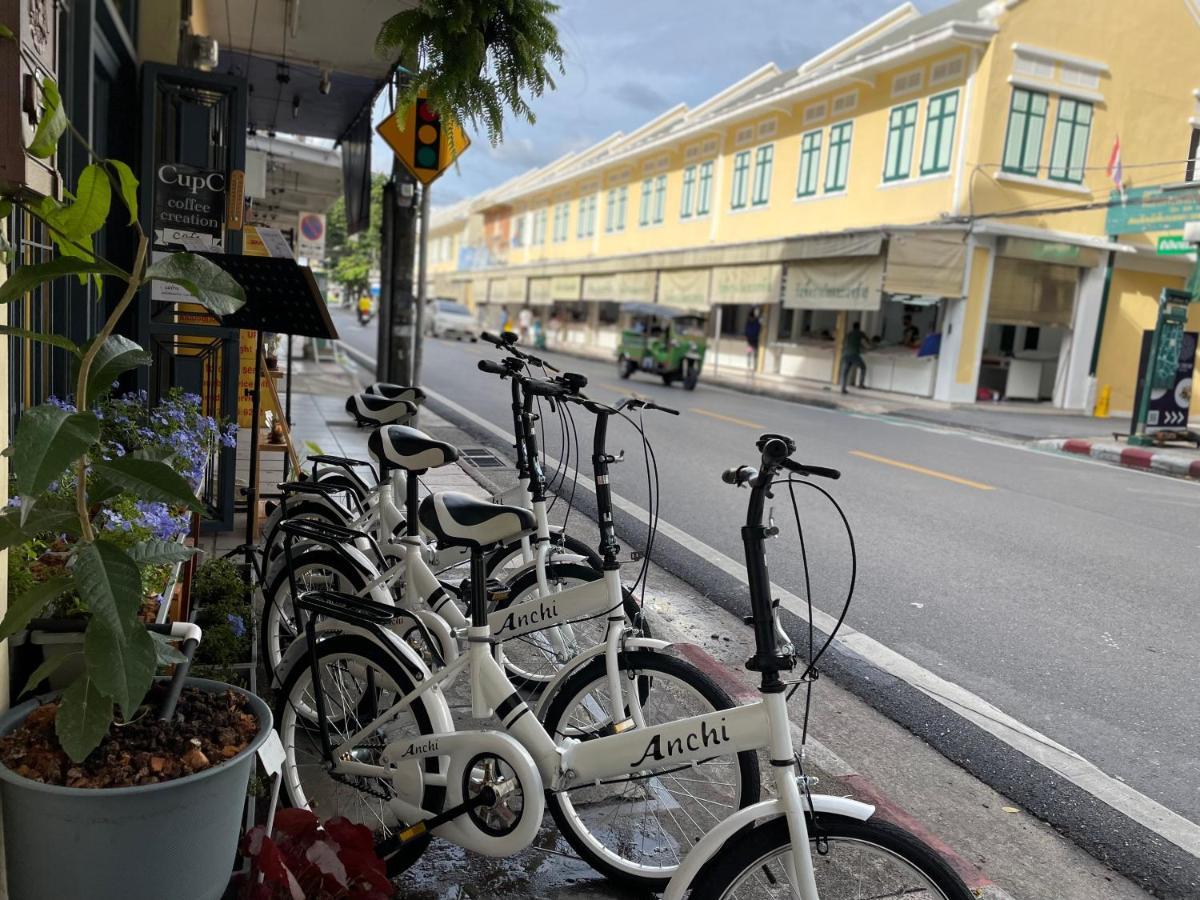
x=411 y=832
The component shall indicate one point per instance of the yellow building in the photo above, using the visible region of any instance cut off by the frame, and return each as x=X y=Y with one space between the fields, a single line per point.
x=939 y=174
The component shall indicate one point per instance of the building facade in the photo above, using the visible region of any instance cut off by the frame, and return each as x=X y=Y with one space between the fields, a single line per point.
x=941 y=179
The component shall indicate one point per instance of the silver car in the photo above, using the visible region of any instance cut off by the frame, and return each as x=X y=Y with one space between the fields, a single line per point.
x=446 y=318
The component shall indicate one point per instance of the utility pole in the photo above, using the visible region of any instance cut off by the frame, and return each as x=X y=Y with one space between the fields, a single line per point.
x=398 y=308
x=422 y=270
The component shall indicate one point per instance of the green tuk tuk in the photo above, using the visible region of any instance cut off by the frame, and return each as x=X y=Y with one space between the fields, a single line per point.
x=663 y=341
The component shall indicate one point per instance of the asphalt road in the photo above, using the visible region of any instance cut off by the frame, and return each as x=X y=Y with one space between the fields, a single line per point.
x=1062 y=592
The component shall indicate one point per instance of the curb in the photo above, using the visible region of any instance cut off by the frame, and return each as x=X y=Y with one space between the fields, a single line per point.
x=1143 y=458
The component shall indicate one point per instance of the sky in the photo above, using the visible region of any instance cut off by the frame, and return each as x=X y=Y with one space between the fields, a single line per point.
x=625 y=62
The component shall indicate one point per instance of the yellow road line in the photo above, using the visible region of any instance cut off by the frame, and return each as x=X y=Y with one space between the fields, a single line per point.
x=930 y=472
x=744 y=423
x=612 y=387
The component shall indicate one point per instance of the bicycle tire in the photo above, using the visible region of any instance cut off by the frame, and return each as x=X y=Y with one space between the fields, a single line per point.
x=433 y=796
x=748 y=849
x=313 y=555
x=655 y=666
x=535 y=682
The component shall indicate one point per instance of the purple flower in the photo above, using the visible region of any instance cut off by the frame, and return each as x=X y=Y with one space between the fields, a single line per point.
x=236 y=623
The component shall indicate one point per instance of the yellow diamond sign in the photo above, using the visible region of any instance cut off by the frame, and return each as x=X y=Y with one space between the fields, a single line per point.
x=427 y=143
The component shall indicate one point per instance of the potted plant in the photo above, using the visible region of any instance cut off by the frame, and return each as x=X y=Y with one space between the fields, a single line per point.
x=150 y=808
x=220 y=603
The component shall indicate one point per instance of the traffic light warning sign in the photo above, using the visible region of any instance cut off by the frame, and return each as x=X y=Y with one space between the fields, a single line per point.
x=424 y=143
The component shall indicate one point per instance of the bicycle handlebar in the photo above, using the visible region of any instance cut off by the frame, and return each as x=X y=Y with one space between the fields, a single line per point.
x=507 y=341
x=492 y=368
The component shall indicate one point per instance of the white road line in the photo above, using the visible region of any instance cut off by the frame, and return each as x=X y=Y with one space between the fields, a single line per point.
x=1037 y=746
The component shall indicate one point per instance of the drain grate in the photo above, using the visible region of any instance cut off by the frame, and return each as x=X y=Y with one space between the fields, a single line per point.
x=481 y=458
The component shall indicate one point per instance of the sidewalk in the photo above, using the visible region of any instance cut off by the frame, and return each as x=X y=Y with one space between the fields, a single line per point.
x=1041 y=426
x=924 y=791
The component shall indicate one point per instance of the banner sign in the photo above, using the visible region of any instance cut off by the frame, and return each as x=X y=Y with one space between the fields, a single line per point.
x=747 y=284
x=599 y=287
x=1151 y=209
x=685 y=288
x=565 y=287
x=539 y=292
x=635 y=287
x=850 y=284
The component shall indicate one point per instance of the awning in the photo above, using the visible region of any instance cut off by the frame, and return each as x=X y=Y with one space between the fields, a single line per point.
x=636 y=287
x=539 y=292
x=925 y=264
x=1030 y=293
x=507 y=290
x=565 y=287
x=747 y=285
x=600 y=287
x=685 y=288
x=850 y=284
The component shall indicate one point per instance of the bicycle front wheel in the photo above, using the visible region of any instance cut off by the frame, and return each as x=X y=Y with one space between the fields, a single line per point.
x=853 y=861
x=636 y=830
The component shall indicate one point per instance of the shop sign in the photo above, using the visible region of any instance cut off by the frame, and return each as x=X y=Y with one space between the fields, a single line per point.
x=685 y=288
x=1174 y=245
x=539 y=292
x=565 y=287
x=747 y=284
x=507 y=290
x=1151 y=209
x=850 y=284
x=600 y=287
x=189 y=199
x=635 y=287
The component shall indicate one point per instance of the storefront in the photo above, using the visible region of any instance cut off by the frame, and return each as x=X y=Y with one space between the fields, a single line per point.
x=739 y=292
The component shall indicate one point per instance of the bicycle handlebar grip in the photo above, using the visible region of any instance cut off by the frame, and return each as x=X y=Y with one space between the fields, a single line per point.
x=544 y=388
x=666 y=409
x=492 y=368
x=819 y=471
x=508 y=337
x=491 y=339
x=738 y=475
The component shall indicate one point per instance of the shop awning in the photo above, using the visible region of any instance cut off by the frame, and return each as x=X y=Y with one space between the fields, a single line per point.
x=507 y=290
x=685 y=288
x=565 y=287
x=925 y=264
x=636 y=287
x=539 y=292
x=840 y=284
x=600 y=287
x=747 y=285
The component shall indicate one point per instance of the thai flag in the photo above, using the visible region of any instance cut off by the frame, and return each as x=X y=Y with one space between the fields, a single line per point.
x=1115 y=171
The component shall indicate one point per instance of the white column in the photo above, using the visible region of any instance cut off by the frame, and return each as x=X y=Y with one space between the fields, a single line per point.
x=1073 y=390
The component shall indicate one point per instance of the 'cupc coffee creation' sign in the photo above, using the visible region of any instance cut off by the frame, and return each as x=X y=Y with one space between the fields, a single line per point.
x=189 y=199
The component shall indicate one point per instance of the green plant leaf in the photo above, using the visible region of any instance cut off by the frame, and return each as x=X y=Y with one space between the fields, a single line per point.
x=129 y=186
x=52 y=123
x=118 y=354
x=48 y=667
x=5 y=207
x=26 y=278
x=109 y=583
x=89 y=212
x=120 y=664
x=32 y=602
x=154 y=553
x=148 y=480
x=206 y=281
x=6 y=33
x=48 y=516
x=83 y=719
x=56 y=340
x=167 y=655
x=48 y=440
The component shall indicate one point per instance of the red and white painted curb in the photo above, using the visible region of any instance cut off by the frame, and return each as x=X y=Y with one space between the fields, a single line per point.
x=1176 y=464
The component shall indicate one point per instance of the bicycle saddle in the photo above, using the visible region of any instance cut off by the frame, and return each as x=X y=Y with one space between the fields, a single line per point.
x=412 y=394
x=401 y=447
x=372 y=409
x=460 y=520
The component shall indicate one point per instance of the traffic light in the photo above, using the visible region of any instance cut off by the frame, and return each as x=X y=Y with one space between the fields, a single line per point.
x=428 y=139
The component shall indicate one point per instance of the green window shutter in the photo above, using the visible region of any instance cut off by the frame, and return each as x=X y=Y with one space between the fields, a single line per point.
x=644 y=206
x=837 y=165
x=1023 y=140
x=902 y=126
x=763 y=160
x=660 y=198
x=704 y=194
x=741 y=171
x=940 y=118
x=810 y=163
x=621 y=203
x=689 y=186
x=1072 y=128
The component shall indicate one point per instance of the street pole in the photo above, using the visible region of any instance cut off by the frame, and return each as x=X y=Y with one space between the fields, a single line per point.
x=399 y=325
x=422 y=263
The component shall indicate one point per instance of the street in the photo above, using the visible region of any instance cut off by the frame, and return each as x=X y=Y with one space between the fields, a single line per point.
x=1083 y=632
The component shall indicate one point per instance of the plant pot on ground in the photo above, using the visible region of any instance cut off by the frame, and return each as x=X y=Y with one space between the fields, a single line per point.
x=155 y=811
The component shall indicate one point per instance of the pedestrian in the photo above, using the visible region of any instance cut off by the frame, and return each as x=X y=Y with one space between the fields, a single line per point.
x=525 y=323
x=852 y=359
x=539 y=335
x=753 y=330
x=506 y=322
x=910 y=336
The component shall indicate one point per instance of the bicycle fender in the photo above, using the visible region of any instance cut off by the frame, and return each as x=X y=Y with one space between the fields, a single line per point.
x=634 y=643
x=711 y=843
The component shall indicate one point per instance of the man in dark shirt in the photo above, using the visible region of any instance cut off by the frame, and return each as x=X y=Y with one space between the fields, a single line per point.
x=852 y=350
x=753 y=330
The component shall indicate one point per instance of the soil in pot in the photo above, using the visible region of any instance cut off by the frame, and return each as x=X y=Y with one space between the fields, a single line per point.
x=208 y=729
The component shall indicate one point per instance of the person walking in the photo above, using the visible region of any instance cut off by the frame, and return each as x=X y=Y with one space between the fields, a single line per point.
x=753 y=331
x=852 y=359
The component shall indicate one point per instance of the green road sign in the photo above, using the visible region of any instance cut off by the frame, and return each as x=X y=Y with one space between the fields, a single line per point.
x=1174 y=245
x=1151 y=209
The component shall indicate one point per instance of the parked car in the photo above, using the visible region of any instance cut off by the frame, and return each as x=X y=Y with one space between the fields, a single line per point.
x=446 y=318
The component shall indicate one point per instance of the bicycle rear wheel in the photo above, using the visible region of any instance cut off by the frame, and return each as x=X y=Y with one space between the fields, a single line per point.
x=636 y=830
x=869 y=860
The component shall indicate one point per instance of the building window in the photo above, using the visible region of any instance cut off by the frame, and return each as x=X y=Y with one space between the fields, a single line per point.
x=622 y=201
x=1068 y=153
x=660 y=199
x=539 y=226
x=902 y=130
x=837 y=164
x=562 y=217
x=704 y=189
x=610 y=210
x=688 y=197
x=1023 y=140
x=763 y=157
x=936 y=149
x=614 y=217
x=644 y=207
x=810 y=164
x=741 y=175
